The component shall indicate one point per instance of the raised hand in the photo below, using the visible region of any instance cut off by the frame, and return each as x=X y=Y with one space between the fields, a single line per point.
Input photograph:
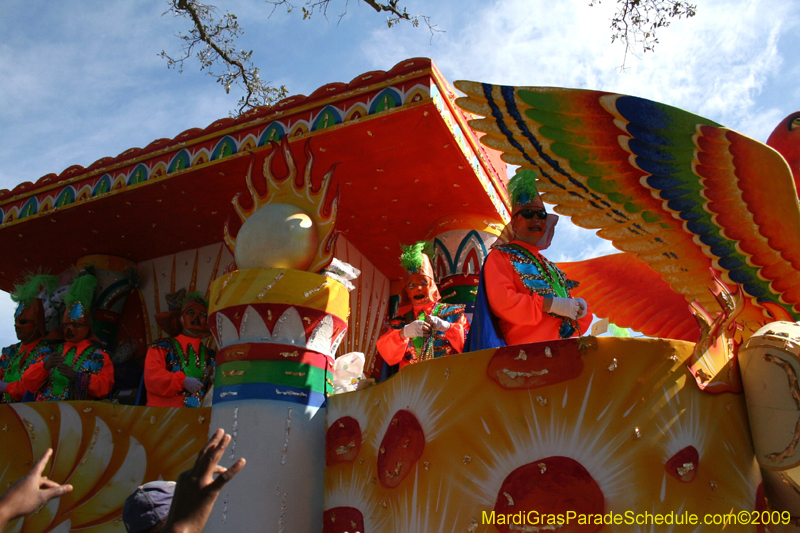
x=30 y=492
x=197 y=489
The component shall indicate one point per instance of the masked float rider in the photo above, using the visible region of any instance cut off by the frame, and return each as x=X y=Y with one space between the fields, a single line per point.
x=425 y=328
x=79 y=369
x=527 y=296
x=30 y=327
x=179 y=370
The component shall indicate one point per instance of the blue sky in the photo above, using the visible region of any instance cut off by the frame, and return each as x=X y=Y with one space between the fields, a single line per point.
x=83 y=80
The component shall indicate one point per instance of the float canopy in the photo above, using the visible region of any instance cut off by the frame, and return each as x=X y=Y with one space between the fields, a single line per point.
x=400 y=166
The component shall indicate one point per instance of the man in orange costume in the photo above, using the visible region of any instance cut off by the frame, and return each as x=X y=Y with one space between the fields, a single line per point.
x=425 y=328
x=179 y=370
x=30 y=327
x=80 y=369
x=528 y=296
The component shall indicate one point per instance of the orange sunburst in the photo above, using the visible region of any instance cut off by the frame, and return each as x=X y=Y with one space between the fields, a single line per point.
x=295 y=188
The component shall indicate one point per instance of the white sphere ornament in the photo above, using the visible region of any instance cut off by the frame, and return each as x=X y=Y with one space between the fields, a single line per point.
x=277 y=236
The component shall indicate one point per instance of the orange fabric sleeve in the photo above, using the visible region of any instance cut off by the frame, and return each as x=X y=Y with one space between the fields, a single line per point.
x=100 y=384
x=35 y=376
x=392 y=346
x=506 y=301
x=457 y=334
x=157 y=378
x=16 y=390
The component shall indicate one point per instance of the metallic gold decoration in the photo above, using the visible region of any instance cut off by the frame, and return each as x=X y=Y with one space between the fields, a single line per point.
x=314 y=210
x=277 y=236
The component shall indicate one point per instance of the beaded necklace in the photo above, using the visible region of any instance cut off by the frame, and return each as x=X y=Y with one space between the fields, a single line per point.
x=547 y=270
x=424 y=345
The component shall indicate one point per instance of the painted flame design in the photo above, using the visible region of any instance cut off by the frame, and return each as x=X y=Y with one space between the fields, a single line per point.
x=296 y=189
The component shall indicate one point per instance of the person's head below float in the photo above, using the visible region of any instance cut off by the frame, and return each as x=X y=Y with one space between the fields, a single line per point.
x=179 y=370
x=30 y=325
x=523 y=297
x=146 y=510
x=154 y=507
x=425 y=328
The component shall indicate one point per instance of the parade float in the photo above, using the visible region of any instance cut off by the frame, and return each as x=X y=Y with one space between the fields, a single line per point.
x=289 y=220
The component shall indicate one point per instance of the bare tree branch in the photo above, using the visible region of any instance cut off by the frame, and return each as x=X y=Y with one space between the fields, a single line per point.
x=397 y=13
x=636 y=22
x=212 y=40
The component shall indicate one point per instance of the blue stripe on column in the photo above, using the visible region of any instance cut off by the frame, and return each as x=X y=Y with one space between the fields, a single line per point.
x=268 y=391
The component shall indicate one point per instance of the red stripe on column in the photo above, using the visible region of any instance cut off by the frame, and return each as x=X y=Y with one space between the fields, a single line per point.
x=273 y=352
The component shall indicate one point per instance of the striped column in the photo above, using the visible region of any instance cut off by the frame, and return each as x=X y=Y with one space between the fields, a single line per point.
x=277 y=331
x=461 y=244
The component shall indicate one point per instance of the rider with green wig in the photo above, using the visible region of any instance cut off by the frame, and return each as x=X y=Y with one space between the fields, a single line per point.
x=523 y=297
x=80 y=369
x=30 y=327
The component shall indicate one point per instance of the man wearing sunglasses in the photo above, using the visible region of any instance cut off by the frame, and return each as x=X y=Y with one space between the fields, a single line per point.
x=527 y=296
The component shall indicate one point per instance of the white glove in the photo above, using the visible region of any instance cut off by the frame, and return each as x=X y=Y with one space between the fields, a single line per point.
x=3 y=385
x=193 y=385
x=438 y=323
x=566 y=307
x=584 y=307
x=415 y=329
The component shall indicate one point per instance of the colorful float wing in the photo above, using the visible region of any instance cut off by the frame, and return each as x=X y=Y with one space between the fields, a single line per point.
x=663 y=314
x=679 y=191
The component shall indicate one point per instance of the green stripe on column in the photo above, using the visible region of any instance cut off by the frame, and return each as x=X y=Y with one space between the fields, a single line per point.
x=299 y=375
x=459 y=294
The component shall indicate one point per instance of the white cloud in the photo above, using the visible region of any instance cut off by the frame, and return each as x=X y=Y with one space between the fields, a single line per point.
x=715 y=64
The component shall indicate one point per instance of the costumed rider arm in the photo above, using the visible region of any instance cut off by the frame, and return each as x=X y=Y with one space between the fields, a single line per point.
x=157 y=378
x=574 y=308
x=454 y=332
x=35 y=376
x=15 y=389
x=505 y=300
x=100 y=384
x=392 y=345
x=523 y=308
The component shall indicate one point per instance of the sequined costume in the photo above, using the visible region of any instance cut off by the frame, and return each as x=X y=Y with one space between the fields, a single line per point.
x=14 y=361
x=168 y=362
x=396 y=349
x=516 y=288
x=93 y=381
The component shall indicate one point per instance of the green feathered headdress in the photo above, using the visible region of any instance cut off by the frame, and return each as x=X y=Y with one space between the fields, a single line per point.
x=195 y=296
x=412 y=259
x=80 y=296
x=522 y=187
x=26 y=291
